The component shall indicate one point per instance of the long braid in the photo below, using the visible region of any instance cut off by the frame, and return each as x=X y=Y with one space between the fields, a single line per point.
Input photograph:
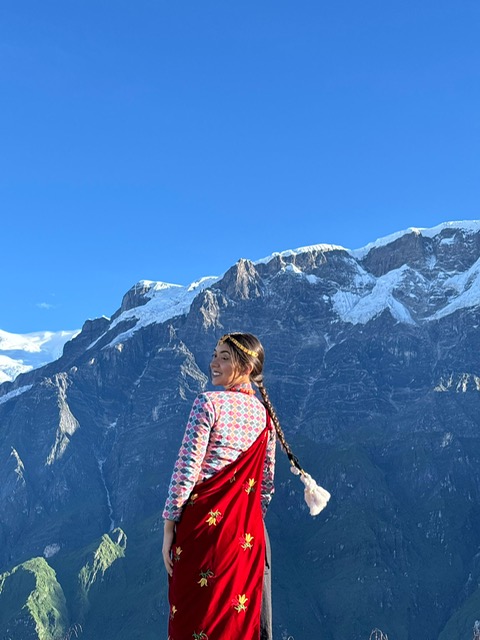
x=316 y=497
x=248 y=354
x=281 y=436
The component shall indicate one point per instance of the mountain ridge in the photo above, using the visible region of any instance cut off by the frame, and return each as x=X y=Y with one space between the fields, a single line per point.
x=167 y=300
x=383 y=413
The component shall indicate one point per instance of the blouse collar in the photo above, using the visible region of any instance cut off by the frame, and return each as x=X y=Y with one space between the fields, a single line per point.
x=243 y=388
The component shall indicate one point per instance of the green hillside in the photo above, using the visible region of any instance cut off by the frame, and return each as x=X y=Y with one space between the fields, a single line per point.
x=110 y=589
x=32 y=603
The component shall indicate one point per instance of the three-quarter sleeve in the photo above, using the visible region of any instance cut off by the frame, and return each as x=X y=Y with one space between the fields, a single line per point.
x=268 y=488
x=190 y=457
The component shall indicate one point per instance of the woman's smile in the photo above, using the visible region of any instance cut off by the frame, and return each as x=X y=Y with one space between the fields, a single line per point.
x=223 y=370
x=221 y=366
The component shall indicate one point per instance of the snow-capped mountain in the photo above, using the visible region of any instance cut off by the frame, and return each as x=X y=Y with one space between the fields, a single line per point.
x=437 y=274
x=416 y=275
x=20 y=353
x=372 y=365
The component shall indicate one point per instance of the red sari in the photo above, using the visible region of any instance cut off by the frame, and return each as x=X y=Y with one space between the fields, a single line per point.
x=215 y=592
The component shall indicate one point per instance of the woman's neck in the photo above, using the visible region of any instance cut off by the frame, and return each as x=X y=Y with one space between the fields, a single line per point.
x=241 y=385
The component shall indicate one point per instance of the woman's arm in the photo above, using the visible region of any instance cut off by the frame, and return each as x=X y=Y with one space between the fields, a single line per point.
x=190 y=457
x=168 y=534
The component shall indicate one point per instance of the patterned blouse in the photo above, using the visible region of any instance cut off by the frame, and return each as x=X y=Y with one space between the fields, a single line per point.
x=222 y=424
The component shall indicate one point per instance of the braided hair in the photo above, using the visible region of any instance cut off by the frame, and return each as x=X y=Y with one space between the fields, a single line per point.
x=247 y=351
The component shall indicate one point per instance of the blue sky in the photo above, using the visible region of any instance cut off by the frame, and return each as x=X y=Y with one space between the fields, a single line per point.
x=165 y=140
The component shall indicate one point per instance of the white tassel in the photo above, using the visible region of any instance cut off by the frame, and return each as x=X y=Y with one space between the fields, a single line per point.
x=316 y=497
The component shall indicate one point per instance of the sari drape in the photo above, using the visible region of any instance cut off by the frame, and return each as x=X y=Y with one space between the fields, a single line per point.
x=215 y=591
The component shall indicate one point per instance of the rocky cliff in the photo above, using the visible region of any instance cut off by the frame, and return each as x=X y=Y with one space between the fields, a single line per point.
x=372 y=363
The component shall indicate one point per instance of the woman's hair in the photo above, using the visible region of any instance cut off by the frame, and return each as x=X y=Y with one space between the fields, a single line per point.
x=247 y=351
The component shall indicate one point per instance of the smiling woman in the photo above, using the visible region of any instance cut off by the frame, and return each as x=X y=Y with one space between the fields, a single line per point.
x=214 y=541
x=215 y=547
x=227 y=369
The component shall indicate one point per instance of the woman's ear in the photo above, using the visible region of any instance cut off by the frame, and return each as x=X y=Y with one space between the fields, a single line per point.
x=248 y=370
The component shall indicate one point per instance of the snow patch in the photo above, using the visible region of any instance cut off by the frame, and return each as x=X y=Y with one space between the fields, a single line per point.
x=291 y=268
x=166 y=301
x=10 y=368
x=461 y=384
x=467 y=226
x=323 y=248
x=362 y=279
x=16 y=392
x=37 y=342
x=382 y=242
x=51 y=550
x=20 y=353
x=360 y=308
x=466 y=286
x=294 y=270
x=20 y=468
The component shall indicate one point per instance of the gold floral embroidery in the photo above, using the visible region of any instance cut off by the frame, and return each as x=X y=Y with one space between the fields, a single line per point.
x=250 y=485
x=233 y=478
x=214 y=518
x=204 y=576
x=239 y=603
x=192 y=499
x=177 y=553
x=173 y=611
x=246 y=541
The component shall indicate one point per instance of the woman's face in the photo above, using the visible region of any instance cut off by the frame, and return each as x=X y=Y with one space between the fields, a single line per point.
x=223 y=370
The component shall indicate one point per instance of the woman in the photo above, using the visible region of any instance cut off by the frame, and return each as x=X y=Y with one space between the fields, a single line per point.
x=222 y=483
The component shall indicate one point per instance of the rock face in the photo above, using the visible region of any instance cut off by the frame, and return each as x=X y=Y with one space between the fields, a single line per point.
x=372 y=364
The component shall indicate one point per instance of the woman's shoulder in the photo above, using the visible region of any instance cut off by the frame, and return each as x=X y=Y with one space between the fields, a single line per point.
x=222 y=397
x=212 y=396
x=218 y=397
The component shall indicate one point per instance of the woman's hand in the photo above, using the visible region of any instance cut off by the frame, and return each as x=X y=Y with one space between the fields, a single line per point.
x=168 y=533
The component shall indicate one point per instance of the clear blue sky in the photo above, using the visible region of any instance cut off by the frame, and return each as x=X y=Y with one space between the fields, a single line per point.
x=165 y=140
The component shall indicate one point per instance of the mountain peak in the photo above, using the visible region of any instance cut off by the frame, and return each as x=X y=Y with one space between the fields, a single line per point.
x=241 y=281
x=288 y=253
x=446 y=229
x=141 y=293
